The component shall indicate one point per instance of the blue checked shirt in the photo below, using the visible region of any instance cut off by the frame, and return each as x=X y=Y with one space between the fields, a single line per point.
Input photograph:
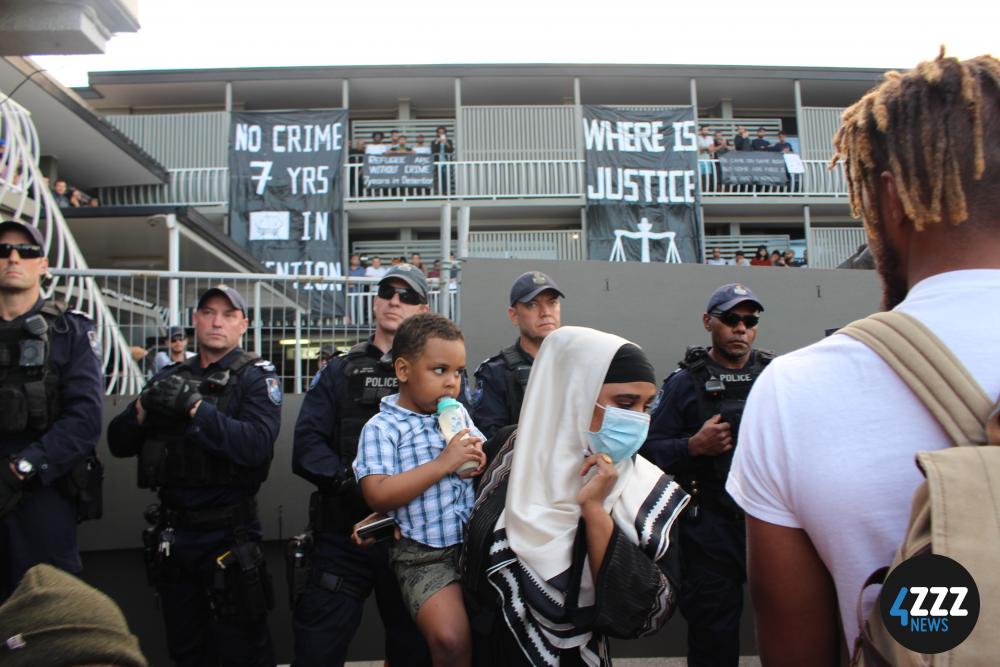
x=396 y=440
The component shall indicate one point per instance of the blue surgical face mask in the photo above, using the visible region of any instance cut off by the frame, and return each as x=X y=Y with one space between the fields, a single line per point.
x=622 y=433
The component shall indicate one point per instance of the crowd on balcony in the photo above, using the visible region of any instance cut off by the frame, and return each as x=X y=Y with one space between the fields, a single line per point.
x=67 y=197
x=441 y=147
x=713 y=144
x=760 y=258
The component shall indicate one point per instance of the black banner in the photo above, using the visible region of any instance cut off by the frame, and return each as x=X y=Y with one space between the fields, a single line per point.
x=284 y=196
x=399 y=170
x=642 y=184
x=753 y=168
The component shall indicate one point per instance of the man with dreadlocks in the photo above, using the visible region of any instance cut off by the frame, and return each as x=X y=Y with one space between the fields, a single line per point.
x=825 y=468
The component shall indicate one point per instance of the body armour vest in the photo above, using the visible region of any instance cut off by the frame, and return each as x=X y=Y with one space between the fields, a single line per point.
x=366 y=381
x=29 y=384
x=517 y=371
x=167 y=459
x=722 y=391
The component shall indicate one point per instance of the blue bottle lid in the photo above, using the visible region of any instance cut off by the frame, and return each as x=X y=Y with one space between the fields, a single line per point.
x=445 y=403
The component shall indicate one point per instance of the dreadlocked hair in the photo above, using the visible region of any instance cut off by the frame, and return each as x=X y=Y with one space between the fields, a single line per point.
x=926 y=127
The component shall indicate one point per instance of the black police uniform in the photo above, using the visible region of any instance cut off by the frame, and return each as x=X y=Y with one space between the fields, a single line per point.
x=331 y=591
x=712 y=529
x=202 y=551
x=500 y=384
x=51 y=390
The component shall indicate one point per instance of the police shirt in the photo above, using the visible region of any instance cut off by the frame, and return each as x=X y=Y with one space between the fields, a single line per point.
x=490 y=411
x=75 y=355
x=244 y=434
x=676 y=417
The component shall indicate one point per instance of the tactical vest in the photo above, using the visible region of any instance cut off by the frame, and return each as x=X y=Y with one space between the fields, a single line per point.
x=29 y=384
x=366 y=381
x=722 y=392
x=517 y=371
x=167 y=459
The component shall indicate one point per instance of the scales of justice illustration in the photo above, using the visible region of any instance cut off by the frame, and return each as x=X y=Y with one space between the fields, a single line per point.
x=645 y=235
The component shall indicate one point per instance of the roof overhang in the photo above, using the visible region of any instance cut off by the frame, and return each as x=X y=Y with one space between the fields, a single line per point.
x=137 y=237
x=91 y=153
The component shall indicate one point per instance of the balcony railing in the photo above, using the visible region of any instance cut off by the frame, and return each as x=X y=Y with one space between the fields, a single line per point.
x=510 y=179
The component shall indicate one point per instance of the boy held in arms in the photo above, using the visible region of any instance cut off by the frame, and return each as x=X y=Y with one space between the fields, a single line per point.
x=408 y=471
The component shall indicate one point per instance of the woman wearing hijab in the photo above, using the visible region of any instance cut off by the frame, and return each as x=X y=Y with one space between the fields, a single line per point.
x=568 y=541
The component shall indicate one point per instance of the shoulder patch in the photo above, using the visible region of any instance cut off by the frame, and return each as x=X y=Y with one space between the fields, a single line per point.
x=264 y=365
x=95 y=344
x=274 y=390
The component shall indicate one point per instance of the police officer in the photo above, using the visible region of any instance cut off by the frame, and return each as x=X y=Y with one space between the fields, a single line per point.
x=692 y=436
x=501 y=379
x=203 y=431
x=330 y=594
x=51 y=391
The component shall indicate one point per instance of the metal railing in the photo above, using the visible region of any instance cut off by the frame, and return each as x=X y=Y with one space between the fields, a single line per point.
x=290 y=317
x=200 y=186
x=27 y=198
x=728 y=245
x=511 y=179
x=566 y=245
x=829 y=246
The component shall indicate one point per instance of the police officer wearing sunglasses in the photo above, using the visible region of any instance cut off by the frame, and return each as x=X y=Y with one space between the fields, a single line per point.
x=330 y=575
x=51 y=390
x=692 y=436
x=203 y=433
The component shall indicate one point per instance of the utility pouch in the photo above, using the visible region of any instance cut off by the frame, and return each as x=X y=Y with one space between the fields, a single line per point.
x=298 y=563
x=13 y=410
x=83 y=485
x=241 y=586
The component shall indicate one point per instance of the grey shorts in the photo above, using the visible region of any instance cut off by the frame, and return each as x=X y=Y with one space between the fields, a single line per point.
x=422 y=570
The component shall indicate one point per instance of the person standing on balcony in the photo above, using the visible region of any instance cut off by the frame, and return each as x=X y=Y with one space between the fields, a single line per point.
x=51 y=390
x=760 y=257
x=342 y=573
x=782 y=145
x=442 y=147
x=535 y=310
x=203 y=432
x=375 y=269
x=742 y=138
x=692 y=437
x=717 y=259
x=760 y=143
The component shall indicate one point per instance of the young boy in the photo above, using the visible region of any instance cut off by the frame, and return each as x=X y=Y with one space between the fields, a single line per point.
x=406 y=470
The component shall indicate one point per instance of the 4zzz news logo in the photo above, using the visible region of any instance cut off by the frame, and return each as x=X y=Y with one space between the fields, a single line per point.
x=929 y=603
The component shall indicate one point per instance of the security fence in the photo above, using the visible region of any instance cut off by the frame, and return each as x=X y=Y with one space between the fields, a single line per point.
x=291 y=318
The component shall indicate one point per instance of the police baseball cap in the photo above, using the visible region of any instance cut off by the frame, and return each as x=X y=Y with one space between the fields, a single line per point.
x=226 y=291
x=531 y=284
x=410 y=275
x=34 y=233
x=731 y=295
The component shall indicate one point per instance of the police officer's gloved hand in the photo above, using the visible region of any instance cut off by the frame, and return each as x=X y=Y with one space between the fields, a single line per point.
x=11 y=489
x=172 y=396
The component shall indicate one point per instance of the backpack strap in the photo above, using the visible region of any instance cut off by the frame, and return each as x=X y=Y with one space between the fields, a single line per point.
x=931 y=371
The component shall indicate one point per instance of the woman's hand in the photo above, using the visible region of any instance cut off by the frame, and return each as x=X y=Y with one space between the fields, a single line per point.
x=599 y=486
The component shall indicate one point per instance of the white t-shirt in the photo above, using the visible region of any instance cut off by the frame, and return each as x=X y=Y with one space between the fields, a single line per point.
x=829 y=434
x=722 y=261
x=162 y=359
x=704 y=143
x=372 y=272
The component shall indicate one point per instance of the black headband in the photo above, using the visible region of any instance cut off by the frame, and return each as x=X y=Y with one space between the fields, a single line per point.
x=630 y=365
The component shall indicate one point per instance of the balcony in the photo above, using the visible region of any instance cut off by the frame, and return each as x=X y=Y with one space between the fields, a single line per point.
x=477 y=180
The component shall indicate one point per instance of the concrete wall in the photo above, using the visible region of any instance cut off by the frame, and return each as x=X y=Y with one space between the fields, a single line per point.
x=659 y=306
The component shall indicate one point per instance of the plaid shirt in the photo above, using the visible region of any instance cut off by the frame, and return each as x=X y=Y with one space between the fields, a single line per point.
x=396 y=440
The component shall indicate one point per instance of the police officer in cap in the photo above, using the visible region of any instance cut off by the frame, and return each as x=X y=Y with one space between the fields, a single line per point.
x=203 y=431
x=501 y=379
x=692 y=436
x=51 y=390
x=329 y=593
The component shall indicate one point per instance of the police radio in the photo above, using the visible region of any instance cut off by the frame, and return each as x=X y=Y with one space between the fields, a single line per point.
x=714 y=387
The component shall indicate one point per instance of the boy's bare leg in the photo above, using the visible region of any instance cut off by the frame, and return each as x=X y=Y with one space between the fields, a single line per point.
x=445 y=625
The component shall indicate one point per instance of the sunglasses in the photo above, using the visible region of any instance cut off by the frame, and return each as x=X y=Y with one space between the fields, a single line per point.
x=24 y=250
x=174 y=339
x=732 y=319
x=406 y=295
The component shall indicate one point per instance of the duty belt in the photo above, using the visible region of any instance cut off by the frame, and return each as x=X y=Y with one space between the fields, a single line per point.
x=337 y=584
x=212 y=518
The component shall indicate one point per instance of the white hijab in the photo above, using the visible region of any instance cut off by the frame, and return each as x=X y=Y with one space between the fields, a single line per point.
x=541 y=514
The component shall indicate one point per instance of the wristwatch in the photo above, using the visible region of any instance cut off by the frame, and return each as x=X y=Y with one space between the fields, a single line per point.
x=25 y=467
